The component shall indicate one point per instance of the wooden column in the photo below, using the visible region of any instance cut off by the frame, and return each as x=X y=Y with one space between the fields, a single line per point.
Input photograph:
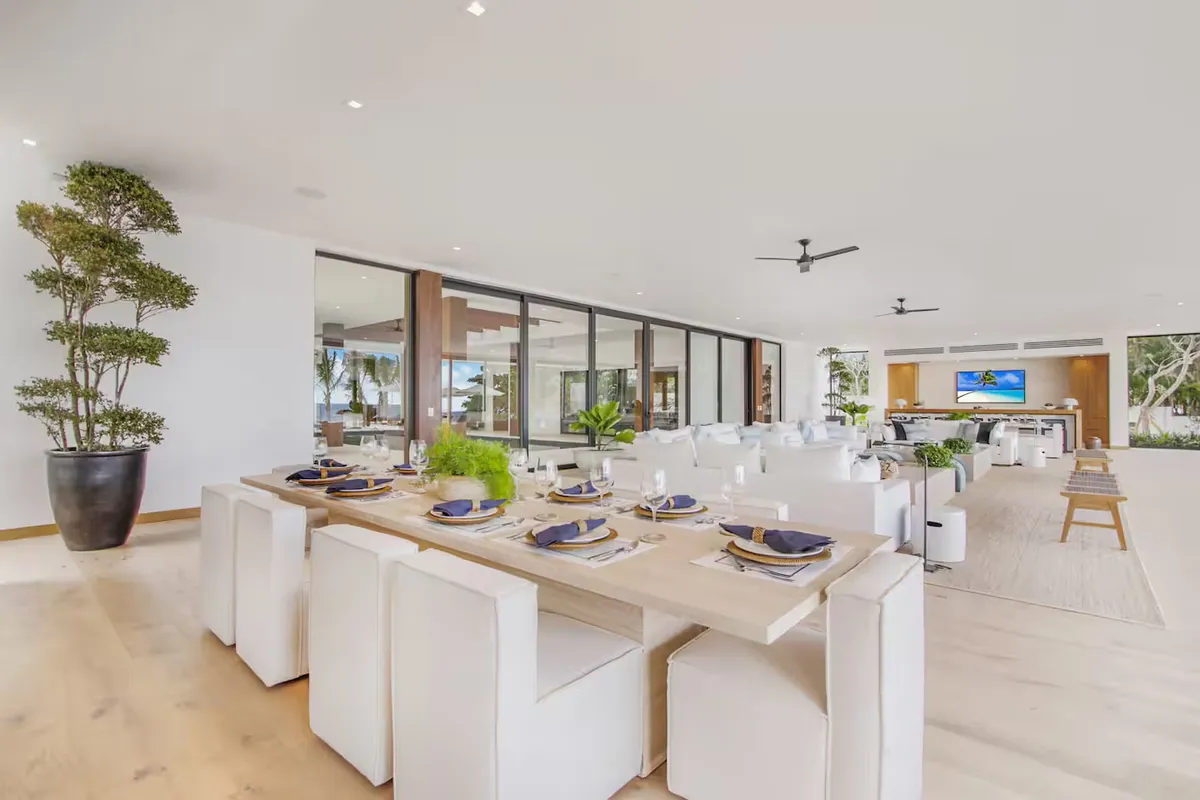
x=1089 y=385
x=758 y=403
x=902 y=384
x=514 y=389
x=425 y=341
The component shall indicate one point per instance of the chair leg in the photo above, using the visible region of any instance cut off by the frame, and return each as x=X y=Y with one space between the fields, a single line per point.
x=1104 y=467
x=1115 y=508
x=1070 y=519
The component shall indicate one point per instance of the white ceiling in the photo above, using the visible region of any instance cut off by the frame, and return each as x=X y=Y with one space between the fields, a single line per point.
x=1030 y=166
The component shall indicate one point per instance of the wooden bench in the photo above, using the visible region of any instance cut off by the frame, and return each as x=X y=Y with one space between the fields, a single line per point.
x=1094 y=491
x=1091 y=461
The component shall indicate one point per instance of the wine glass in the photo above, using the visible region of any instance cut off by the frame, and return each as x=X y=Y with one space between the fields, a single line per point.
x=602 y=478
x=517 y=459
x=320 y=447
x=546 y=477
x=733 y=485
x=418 y=457
x=368 y=447
x=654 y=491
x=383 y=451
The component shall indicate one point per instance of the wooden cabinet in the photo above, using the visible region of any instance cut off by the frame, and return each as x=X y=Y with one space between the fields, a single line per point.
x=1089 y=385
x=902 y=384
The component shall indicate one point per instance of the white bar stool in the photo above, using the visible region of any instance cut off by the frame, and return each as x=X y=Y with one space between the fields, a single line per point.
x=946 y=536
x=218 y=557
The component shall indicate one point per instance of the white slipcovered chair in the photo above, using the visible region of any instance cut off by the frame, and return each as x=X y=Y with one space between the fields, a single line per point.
x=837 y=715
x=272 y=588
x=1004 y=451
x=349 y=644
x=218 y=557
x=492 y=699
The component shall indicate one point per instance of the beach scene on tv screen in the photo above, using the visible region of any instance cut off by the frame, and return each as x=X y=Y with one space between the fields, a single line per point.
x=991 y=386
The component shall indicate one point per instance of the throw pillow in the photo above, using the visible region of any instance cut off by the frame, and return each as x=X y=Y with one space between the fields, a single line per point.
x=889 y=432
x=901 y=434
x=866 y=470
x=725 y=433
x=819 y=432
x=715 y=455
x=968 y=431
x=671 y=456
x=984 y=434
x=664 y=435
x=997 y=431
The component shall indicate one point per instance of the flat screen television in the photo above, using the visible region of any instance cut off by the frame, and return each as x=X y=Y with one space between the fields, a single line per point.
x=990 y=386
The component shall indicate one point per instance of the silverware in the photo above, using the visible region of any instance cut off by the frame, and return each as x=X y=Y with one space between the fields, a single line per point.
x=496 y=526
x=743 y=567
x=602 y=557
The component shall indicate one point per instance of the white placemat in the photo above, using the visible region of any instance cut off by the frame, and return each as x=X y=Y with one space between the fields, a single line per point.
x=394 y=494
x=796 y=576
x=591 y=557
x=497 y=527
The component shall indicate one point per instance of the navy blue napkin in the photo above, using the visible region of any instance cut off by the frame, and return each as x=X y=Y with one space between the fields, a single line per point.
x=331 y=463
x=780 y=541
x=460 y=508
x=580 y=488
x=312 y=474
x=358 y=483
x=404 y=468
x=566 y=531
x=678 y=502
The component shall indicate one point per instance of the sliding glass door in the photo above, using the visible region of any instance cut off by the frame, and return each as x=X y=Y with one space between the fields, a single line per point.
x=733 y=380
x=619 y=367
x=481 y=363
x=558 y=375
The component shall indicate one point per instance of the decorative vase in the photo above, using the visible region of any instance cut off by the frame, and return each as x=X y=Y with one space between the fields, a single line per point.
x=588 y=457
x=461 y=487
x=95 y=496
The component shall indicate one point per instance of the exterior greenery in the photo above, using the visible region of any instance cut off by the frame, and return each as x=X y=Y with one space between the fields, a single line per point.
x=933 y=454
x=1164 y=391
x=329 y=374
x=96 y=259
x=1169 y=441
x=453 y=454
x=849 y=376
x=601 y=420
x=957 y=446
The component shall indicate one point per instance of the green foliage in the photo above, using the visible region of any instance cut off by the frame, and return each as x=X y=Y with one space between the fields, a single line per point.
x=601 y=420
x=960 y=416
x=329 y=375
x=856 y=411
x=96 y=259
x=1165 y=441
x=454 y=454
x=986 y=378
x=933 y=454
x=957 y=446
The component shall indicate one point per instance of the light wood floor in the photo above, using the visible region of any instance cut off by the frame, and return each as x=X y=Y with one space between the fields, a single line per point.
x=110 y=689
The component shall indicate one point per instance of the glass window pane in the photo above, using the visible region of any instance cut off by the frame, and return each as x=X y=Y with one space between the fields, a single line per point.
x=481 y=337
x=668 y=377
x=618 y=367
x=733 y=380
x=558 y=362
x=360 y=356
x=772 y=356
x=704 y=379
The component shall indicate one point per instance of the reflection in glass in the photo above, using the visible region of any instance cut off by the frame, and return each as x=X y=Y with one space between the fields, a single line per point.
x=733 y=380
x=619 y=367
x=668 y=377
x=481 y=338
x=772 y=358
x=558 y=361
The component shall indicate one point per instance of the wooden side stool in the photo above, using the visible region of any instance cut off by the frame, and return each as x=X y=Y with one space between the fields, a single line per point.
x=1092 y=461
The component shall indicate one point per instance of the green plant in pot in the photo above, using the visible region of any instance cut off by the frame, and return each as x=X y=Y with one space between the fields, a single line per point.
x=857 y=412
x=469 y=469
x=960 y=416
x=97 y=468
x=957 y=446
x=933 y=454
x=601 y=422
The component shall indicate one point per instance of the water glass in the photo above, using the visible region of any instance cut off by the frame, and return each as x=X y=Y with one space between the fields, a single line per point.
x=654 y=491
x=602 y=478
x=368 y=447
x=517 y=459
x=546 y=477
x=320 y=447
x=418 y=457
x=383 y=451
x=733 y=485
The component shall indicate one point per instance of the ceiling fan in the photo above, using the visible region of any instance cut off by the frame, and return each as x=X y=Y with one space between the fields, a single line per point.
x=900 y=310
x=805 y=261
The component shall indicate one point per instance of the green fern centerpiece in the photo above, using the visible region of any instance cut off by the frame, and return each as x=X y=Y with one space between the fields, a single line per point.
x=455 y=455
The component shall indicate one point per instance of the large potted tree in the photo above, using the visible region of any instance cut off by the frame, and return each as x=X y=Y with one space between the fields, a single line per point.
x=97 y=468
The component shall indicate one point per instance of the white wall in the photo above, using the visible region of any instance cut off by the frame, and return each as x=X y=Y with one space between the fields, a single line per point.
x=1047 y=380
x=236 y=387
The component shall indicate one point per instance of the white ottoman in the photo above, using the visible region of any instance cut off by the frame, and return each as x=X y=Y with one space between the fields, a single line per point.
x=947 y=535
x=1033 y=450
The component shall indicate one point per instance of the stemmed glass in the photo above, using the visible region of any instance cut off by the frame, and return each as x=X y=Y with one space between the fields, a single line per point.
x=602 y=478
x=733 y=485
x=546 y=477
x=517 y=459
x=383 y=451
x=368 y=446
x=418 y=457
x=654 y=491
x=320 y=447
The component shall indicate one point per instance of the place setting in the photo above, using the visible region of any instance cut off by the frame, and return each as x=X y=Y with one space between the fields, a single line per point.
x=475 y=518
x=590 y=542
x=786 y=556
x=363 y=490
x=325 y=472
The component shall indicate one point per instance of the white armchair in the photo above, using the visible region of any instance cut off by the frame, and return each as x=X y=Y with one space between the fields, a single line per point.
x=840 y=715
x=349 y=644
x=493 y=699
x=272 y=588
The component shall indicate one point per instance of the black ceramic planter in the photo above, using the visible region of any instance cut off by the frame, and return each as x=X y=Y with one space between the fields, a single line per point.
x=95 y=496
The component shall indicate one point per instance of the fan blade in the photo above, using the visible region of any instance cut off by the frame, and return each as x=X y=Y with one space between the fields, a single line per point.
x=793 y=260
x=836 y=252
x=892 y=314
x=919 y=310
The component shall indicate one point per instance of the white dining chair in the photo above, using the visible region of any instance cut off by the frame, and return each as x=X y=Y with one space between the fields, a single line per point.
x=218 y=557
x=272 y=588
x=492 y=699
x=349 y=644
x=835 y=715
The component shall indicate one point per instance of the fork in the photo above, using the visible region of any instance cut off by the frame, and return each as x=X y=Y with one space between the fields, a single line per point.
x=743 y=567
x=602 y=557
x=495 y=526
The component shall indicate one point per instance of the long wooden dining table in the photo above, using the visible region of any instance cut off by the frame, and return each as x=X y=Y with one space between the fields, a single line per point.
x=656 y=597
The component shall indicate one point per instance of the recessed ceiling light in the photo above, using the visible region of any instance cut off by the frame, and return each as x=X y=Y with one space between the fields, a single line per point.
x=737 y=317
x=364 y=277
x=354 y=104
x=1179 y=303
x=476 y=8
x=310 y=193
x=458 y=248
x=975 y=334
x=29 y=142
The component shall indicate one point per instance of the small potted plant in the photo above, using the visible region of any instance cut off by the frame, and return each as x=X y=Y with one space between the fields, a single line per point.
x=957 y=446
x=601 y=421
x=857 y=412
x=470 y=469
x=933 y=454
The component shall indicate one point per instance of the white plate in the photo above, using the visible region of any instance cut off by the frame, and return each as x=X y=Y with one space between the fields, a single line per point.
x=593 y=535
x=491 y=512
x=374 y=488
x=764 y=550
x=695 y=509
x=578 y=496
